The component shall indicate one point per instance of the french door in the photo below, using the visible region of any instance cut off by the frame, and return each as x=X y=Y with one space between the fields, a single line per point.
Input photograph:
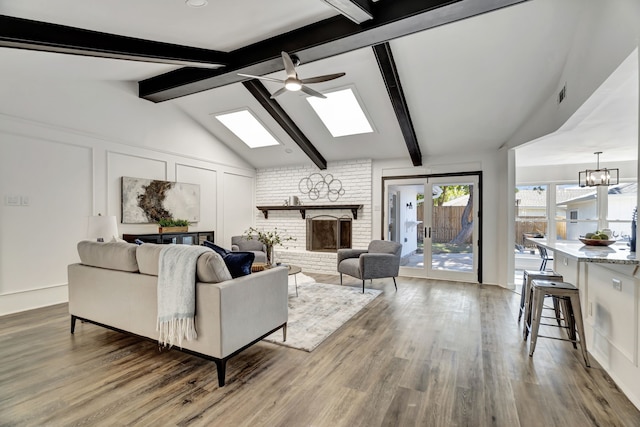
x=435 y=218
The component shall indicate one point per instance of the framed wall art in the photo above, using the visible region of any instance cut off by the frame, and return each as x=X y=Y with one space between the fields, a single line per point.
x=146 y=201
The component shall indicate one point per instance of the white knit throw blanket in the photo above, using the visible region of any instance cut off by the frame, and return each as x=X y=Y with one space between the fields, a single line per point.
x=177 y=293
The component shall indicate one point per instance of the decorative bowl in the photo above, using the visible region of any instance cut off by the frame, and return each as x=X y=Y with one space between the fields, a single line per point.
x=597 y=242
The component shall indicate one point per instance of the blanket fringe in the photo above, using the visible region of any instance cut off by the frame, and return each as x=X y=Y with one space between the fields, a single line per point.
x=173 y=331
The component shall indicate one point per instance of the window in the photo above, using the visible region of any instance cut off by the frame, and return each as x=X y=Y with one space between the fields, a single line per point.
x=341 y=113
x=621 y=202
x=248 y=128
x=531 y=213
x=573 y=215
x=576 y=211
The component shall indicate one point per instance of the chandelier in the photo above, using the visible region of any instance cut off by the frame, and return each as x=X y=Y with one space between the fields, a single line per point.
x=597 y=176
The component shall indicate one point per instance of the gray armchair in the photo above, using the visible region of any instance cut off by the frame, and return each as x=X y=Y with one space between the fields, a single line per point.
x=381 y=259
x=242 y=244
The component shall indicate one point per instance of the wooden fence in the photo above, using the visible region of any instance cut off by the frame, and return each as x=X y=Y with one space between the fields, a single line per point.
x=535 y=225
x=446 y=225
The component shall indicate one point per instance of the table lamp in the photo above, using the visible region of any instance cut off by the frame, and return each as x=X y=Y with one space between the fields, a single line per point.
x=102 y=228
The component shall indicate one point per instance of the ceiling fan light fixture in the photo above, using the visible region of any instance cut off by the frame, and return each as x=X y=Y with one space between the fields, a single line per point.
x=196 y=3
x=293 y=85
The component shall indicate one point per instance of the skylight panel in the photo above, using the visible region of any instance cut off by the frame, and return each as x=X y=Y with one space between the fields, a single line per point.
x=248 y=128
x=341 y=113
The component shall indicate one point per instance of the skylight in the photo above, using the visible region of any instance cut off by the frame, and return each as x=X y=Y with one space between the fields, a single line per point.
x=247 y=127
x=341 y=113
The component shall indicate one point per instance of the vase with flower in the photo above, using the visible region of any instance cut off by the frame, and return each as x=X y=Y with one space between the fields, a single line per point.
x=269 y=238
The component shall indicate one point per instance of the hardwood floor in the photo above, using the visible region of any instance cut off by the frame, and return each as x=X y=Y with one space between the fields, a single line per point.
x=433 y=353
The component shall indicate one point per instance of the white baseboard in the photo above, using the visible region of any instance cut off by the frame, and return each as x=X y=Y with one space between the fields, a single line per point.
x=35 y=298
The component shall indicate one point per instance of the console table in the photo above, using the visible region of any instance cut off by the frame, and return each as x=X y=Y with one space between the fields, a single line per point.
x=185 y=238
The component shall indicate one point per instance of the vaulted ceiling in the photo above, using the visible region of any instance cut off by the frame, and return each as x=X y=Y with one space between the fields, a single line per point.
x=434 y=77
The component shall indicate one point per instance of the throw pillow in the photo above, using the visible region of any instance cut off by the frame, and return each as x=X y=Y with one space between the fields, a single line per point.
x=238 y=263
x=217 y=249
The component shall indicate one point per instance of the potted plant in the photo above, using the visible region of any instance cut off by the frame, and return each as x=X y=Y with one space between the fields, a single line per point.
x=171 y=225
x=269 y=239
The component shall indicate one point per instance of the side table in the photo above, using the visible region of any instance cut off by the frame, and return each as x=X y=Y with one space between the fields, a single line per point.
x=292 y=270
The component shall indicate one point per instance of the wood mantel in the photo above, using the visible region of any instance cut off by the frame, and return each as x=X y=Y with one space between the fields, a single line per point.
x=303 y=209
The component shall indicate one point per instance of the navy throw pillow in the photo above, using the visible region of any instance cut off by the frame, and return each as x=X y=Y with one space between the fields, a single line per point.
x=238 y=263
x=217 y=249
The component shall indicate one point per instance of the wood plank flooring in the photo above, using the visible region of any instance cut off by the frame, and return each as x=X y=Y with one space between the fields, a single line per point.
x=434 y=353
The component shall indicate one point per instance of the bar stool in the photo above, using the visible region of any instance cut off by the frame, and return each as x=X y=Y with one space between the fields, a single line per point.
x=525 y=296
x=570 y=296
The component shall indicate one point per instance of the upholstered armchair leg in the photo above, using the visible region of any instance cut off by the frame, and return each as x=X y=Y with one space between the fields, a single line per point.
x=340 y=279
x=363 y=286
x=284 y=333
x=394 y=283
x=73 y=323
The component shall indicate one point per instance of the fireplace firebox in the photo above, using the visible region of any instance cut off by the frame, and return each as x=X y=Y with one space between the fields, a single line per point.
x=328 y=234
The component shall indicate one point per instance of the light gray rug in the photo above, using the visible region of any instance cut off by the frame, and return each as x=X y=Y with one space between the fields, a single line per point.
x=318 y=311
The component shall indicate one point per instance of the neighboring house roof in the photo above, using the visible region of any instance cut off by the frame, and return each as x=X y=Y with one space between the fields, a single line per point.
x=630 y=189
x=531 y=198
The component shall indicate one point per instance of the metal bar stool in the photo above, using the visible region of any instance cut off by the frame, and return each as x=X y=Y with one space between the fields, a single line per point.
x=544 y=256
x=525 y=296
x=572 y=311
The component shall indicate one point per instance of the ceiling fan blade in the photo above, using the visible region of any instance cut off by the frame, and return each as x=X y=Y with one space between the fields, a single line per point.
x=312 y=92
x=319 y=79
x=288 y=65
x=262 y=78
x=279 y=92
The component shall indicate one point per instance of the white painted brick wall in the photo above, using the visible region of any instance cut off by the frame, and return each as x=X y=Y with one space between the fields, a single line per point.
x=274 y=186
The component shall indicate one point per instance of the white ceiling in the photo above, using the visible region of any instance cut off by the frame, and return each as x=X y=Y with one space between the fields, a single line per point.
x=607 y=122
x=469 y=85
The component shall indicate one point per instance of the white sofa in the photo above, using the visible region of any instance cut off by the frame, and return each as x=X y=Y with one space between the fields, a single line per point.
x=115 y=286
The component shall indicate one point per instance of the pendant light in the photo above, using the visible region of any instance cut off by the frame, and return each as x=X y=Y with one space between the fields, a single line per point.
x=597 y=176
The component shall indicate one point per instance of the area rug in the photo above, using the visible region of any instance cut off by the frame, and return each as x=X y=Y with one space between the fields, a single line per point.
x=318 y=311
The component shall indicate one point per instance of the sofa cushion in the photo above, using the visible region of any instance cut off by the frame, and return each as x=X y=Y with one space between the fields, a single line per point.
x=148 y=256
x=111 y=255
x=211 y=268
x=238 y=263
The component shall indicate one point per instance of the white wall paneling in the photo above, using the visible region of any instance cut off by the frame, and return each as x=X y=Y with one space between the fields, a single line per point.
x=238 y=207
x=53 y=183
x=122 y=164
x=207 y=179
x=63 y=175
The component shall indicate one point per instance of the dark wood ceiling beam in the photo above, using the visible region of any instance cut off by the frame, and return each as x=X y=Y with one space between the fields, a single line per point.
x=43 y=36
x=260 y=92
x=389 y=72
x=330 y=37
x=356 y=10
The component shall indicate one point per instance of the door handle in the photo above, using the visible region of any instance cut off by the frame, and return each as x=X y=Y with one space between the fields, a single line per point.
x=429 y=232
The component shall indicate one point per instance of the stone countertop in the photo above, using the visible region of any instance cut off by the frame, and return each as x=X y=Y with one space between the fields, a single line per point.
x=618 y=253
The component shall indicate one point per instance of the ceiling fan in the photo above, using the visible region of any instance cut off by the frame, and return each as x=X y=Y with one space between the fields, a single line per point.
x=293 y=82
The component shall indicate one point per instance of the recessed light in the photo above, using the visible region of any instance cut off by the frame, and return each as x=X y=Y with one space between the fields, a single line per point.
x=288 y=150
x=196 y=3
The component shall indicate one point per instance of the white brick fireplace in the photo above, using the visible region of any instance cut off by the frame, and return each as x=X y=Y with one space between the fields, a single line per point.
x=274 y=186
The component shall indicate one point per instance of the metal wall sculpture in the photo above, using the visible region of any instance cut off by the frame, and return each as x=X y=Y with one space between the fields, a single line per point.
x=317 y=187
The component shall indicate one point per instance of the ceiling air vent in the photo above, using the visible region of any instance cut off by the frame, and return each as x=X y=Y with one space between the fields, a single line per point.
x=562 y=94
